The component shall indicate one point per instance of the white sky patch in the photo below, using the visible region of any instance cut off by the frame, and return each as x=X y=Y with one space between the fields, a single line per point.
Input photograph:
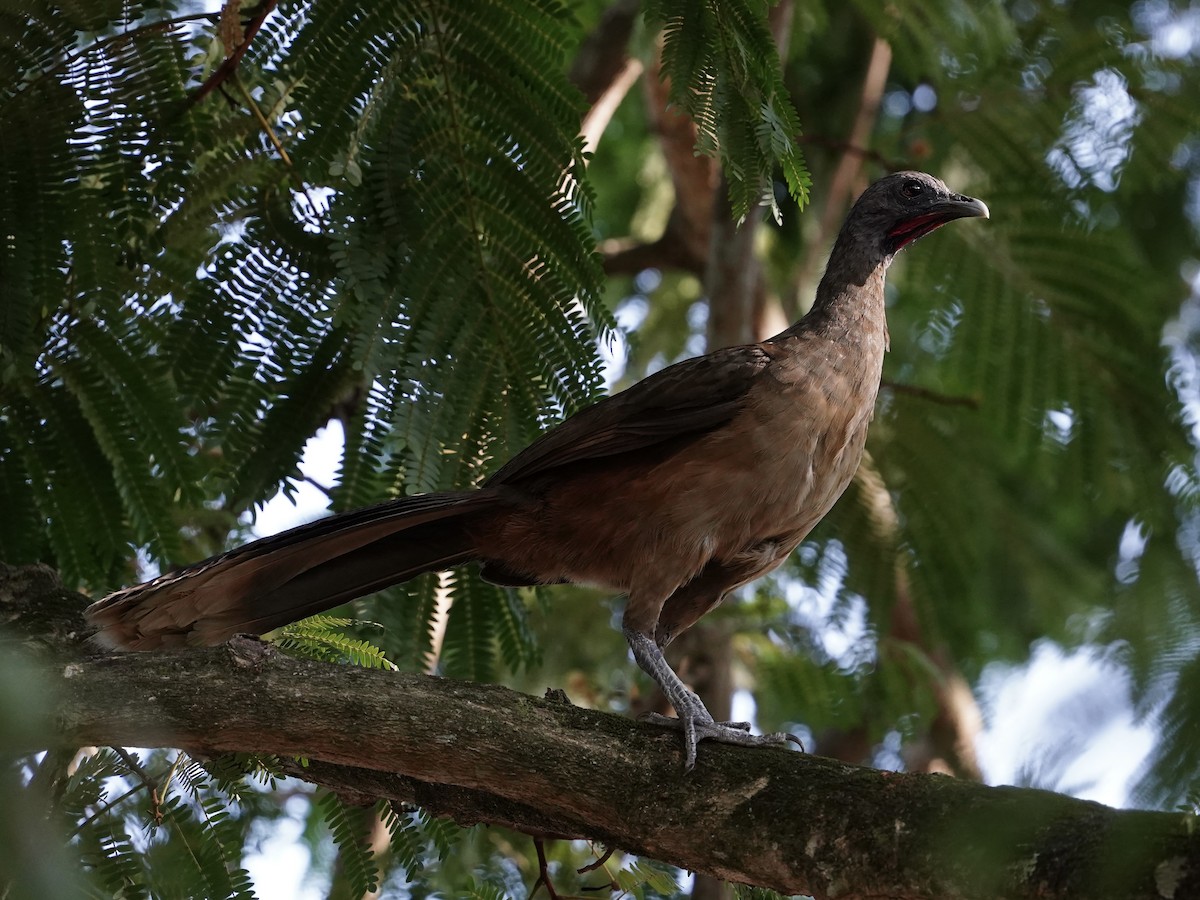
x=1063 y=721
x=838 y=622
x=321 y=462
x=1059 y=425
x=614 y=353
x=1098 y=133
x=1176 y=40
x=1129 y=551
x=279 y=867
x=311 y=204
x=1178 y=337
x=924 y=98
x=1174 y=32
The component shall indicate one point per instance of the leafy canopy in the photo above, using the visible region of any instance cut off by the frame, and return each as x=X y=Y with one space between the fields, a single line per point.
x=383 y=218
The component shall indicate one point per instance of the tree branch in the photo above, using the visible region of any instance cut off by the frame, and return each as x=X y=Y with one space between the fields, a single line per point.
x=849 y=168
x=603 y=69
x=845 y=147
x=923 y=393
x=230 y=63
x=603 y=53
x=483 y=753
x=623 y=256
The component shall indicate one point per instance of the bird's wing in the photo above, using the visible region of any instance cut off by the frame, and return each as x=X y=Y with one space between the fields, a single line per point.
x=689 y=398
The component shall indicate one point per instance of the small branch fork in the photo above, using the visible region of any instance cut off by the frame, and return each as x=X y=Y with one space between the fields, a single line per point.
x=227 y=68
x=543 y=879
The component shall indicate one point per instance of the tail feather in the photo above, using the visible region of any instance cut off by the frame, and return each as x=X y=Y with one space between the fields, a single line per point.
x=297 y=573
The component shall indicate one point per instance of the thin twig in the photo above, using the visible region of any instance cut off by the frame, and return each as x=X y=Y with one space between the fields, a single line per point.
x=543 y=872
x=320 y=487
x=602 y=862
x=265 y=124
x=933 y=396
x=103 y=809
x=170 y=776
x=262 y=121
x=145 y=781
x=591 y=867
x=151 y=785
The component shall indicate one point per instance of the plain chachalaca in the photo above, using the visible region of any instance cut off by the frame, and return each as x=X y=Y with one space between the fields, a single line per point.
x=691 y=483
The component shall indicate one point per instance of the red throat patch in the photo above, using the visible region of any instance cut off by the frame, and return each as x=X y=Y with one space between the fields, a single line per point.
x=918 y=226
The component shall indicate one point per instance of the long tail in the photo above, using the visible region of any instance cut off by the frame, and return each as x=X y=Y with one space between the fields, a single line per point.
x=293 y=574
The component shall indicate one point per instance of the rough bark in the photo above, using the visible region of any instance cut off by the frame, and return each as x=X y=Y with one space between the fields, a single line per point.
x=483 y=753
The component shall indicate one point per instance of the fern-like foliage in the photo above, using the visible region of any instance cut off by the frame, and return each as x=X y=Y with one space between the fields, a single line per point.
x=646 y=878
x=90 y=135
x=421 y=256
x=724 y=72
x=403 y=244
x=487 y=625
x=354 y=850
x=472 y=217
x=322 y=637
x=164 y=825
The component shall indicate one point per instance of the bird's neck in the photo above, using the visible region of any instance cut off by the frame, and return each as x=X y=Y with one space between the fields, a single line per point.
x=849 y=304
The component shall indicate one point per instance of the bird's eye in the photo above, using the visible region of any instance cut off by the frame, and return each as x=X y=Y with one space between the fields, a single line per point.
x=911 y=189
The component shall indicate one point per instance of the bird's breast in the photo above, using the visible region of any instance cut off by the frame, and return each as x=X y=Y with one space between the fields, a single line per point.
x=767 y=476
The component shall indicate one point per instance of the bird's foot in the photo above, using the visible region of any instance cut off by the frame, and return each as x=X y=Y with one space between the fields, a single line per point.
x=698 y=725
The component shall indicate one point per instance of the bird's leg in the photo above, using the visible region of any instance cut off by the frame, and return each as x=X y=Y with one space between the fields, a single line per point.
x=694 y=718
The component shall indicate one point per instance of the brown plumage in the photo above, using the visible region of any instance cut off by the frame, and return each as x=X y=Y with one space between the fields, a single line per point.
x=694 y=481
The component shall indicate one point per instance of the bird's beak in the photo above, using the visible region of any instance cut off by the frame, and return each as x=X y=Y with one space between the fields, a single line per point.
x=958 y=206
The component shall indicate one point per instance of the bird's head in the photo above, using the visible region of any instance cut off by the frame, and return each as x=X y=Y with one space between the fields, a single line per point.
x=896 y=210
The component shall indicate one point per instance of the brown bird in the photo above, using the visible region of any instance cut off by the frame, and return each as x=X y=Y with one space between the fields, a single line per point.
x=689 y=484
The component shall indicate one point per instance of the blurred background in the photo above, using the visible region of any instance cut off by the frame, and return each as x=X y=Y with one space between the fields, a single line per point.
x=371 y=258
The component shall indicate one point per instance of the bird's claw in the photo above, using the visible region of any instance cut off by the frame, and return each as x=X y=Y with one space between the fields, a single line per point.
x=697 y=728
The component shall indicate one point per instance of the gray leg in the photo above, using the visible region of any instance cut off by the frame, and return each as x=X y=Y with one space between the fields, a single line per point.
x=695 y=720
